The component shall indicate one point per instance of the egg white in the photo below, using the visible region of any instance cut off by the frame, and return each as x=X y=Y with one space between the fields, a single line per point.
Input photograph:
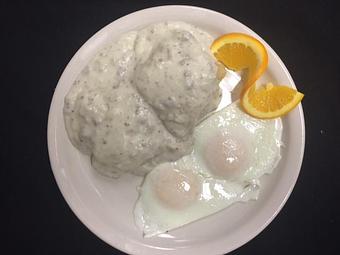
x=256 y=144
x=261 y=140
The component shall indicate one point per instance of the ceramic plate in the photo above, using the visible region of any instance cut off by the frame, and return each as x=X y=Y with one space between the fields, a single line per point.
x=105 y=205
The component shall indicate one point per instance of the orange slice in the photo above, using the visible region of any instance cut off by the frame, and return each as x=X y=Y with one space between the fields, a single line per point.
x=270 y=101
x=241 y=52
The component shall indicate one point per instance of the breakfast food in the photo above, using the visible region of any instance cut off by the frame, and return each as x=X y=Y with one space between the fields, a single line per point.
x=232 y=150
x=269 y=101
x=241 y=52
x=176 y=75
x=144 y=105
x=136 y=103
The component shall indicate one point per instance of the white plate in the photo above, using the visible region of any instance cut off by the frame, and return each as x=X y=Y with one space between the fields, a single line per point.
x=105 y=205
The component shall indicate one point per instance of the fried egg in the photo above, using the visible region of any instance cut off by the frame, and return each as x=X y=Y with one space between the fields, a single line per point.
x=232 y=150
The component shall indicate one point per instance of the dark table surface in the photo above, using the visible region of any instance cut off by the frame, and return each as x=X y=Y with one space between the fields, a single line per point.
x=41 y=37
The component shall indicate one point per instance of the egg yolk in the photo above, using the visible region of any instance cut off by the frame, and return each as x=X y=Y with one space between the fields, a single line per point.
x=226 y=156
x=176 y=189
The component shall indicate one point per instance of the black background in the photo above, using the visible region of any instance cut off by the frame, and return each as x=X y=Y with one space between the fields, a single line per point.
x=39 y=39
